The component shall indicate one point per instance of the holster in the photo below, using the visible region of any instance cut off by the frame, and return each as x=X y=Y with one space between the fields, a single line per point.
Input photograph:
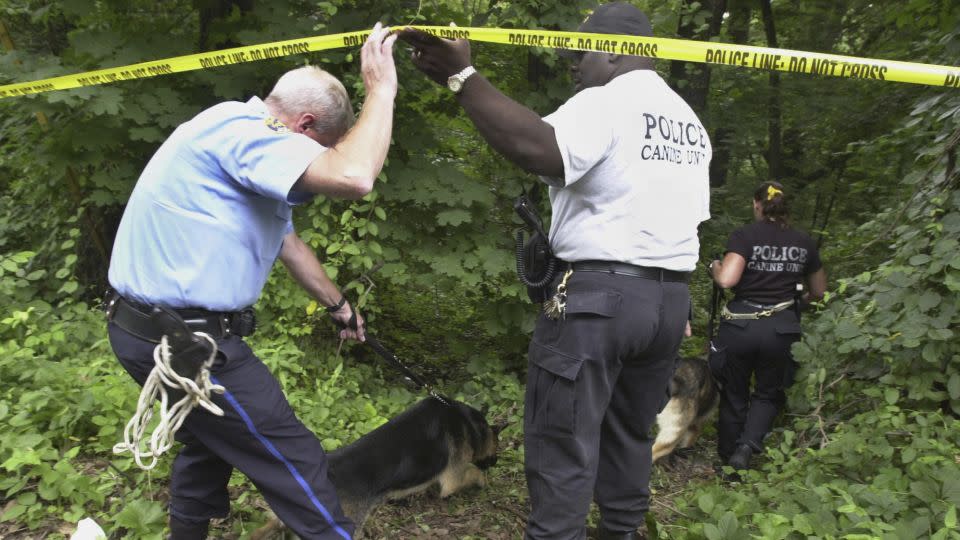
x=536 y=262
x=188 y=351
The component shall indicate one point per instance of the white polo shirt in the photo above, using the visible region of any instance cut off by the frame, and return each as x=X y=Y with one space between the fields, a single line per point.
x=636 y=163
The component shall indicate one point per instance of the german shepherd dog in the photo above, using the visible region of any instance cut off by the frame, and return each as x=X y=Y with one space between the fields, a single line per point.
x=431 y=443
x=693 y=396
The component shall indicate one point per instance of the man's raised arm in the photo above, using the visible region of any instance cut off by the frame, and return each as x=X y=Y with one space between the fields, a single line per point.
x=349 y=168
x=515 y=131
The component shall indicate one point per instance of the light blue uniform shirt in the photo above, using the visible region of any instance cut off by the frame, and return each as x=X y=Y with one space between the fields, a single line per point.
x=206 y=220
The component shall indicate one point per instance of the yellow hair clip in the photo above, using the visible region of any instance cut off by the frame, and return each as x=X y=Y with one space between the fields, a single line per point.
x=773 y=192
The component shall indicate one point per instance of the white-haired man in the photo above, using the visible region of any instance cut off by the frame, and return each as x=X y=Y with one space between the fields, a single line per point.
x=207 y=219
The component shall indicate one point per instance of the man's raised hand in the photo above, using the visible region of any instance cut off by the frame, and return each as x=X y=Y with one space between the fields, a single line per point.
x=376 y=62
x=438 y=58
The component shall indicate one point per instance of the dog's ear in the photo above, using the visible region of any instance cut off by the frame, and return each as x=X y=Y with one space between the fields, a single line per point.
x=484 y=409
x=498 y=427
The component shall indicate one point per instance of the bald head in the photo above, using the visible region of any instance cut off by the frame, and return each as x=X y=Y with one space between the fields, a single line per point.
x=310 y=98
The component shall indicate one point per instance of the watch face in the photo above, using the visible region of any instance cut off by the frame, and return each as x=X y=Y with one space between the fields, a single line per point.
x=454 y=85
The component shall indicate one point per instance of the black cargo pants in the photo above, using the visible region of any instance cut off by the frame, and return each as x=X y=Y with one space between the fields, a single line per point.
x=259 y=435
x=596 y=380
x=746 y=349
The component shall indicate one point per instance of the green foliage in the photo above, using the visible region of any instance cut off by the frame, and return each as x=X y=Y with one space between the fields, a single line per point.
x=871 y=442
x=871 y=480
x=873 y=446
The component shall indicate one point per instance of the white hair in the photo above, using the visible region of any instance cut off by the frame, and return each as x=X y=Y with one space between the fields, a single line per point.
x=310 y=89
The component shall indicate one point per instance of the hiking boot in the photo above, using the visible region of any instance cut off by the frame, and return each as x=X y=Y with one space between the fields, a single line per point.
x=187 y=530
x=604 y=534
x=740 y=459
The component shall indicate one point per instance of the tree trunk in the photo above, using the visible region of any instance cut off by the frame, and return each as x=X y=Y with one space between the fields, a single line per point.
x=210 y=12
x=692 y=80
x=738 y=28
x=94 y=230
x=774 y=105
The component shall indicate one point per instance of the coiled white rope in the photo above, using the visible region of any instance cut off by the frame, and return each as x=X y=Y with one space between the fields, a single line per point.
x=171 y=416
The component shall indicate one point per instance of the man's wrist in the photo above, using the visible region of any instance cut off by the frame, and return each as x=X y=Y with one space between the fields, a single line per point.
x=458 y=80
x=338 y=306
x=382 y=92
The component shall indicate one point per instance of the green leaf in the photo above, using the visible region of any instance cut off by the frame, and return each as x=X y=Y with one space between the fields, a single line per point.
x=12 y=512
x=453 y=217
x=69 y=287
x=712 y=532
x=902 y=279
x=951 y=486
x=891 y=395
x=148 y=134
x=729 y=527
x=801 y=523
x=953 y=387
x=928 y=300
x=20 y=457
x=48 y=491
x=141 y=515
x=943 y=334
x=706 y=503
x=847 y=329
x=924 y=490
x=29 y=440
x=950 y=520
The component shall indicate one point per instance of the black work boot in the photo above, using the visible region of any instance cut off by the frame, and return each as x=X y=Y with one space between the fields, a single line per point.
x=604 y=534
x=740 y=459
x=188 y=530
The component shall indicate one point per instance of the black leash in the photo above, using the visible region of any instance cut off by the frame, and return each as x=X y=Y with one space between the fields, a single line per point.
x=716 y=304
x=391 y=358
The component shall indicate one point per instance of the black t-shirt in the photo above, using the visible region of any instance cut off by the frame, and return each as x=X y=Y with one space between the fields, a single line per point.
x=777 y=259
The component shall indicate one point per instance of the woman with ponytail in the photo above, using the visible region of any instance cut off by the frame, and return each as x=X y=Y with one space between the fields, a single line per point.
x=773 y=269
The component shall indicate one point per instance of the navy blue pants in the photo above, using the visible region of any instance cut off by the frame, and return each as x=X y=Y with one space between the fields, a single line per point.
x=595 y=382
x=759 y=350
x=259 y=435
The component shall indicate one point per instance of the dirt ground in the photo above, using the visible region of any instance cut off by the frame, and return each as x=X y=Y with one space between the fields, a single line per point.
x=499 y=511
x=495 y=512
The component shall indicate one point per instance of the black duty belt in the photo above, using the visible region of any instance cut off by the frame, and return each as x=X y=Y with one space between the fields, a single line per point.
x=765 y=310
x=135 y=318
x=624 y=269
x=756 y=305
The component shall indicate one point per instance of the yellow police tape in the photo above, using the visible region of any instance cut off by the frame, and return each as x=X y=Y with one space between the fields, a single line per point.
x=662 y=48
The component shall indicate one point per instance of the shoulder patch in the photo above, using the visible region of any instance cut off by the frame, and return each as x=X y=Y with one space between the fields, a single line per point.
x=275 y=125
